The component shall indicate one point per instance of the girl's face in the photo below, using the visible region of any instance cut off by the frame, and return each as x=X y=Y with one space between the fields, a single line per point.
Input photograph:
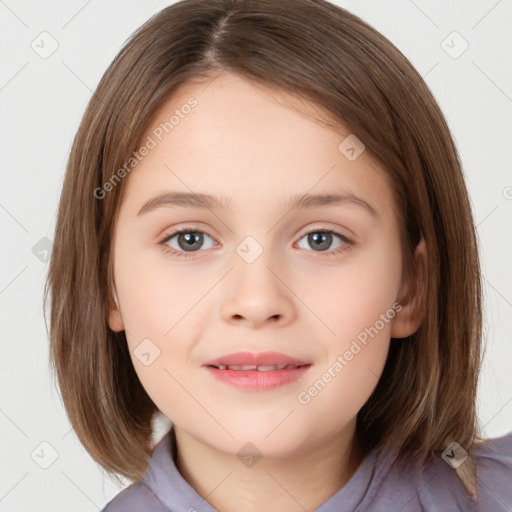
x=254 y=274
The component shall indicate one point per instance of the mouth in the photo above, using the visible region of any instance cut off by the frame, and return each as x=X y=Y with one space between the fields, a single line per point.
x=257 y=371
x=258 y=368
x=260 y=361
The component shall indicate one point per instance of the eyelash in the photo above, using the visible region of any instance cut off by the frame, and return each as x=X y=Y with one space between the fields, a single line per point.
x=184 y=255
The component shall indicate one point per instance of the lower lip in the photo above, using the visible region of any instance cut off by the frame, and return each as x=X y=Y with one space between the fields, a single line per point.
x=259 y=381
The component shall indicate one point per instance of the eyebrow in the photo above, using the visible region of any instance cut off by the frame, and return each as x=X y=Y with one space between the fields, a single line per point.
x=296 y=202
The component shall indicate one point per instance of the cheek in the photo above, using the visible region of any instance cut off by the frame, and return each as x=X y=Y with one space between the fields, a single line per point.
x=155 y=317
x=360 y=312
x=160 y=304
x=351 y=297
x=157 y=293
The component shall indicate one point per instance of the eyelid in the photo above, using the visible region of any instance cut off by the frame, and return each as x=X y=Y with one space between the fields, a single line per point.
x=176 y=231
x=324 y=228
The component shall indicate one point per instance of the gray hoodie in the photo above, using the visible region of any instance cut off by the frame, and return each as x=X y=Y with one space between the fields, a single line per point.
x=376 y=486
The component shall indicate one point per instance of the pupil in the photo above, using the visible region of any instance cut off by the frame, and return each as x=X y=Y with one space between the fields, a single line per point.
x=322 y=237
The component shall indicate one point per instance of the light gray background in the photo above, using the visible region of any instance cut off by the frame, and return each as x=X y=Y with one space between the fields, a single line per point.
x=41 y=104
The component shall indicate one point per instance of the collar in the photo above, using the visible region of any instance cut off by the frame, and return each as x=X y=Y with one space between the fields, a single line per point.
x=178 y=495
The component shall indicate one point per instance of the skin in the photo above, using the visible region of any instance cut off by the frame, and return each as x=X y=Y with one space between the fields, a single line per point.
x=246 y=143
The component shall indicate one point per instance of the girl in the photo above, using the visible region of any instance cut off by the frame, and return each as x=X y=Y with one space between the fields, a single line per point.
x=264 y=235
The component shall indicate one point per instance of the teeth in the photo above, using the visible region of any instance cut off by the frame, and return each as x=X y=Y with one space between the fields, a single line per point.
x=268 y=368
x=259 y=368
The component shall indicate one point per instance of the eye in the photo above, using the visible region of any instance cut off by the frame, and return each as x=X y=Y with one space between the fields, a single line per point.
x=183 y=243
x=322 y=239
x=185 y=240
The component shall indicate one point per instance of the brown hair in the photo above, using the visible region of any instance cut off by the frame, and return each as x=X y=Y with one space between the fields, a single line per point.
x=319 y=52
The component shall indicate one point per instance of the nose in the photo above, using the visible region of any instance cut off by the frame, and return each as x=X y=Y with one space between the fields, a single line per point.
x=258 y=295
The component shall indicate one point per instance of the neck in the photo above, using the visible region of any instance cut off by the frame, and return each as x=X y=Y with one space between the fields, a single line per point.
x=300 y=482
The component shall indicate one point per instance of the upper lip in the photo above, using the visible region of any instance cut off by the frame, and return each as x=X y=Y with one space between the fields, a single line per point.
x=255 y=358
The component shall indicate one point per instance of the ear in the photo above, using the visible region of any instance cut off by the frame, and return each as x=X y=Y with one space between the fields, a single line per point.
x=115 y=319
x=412 y=296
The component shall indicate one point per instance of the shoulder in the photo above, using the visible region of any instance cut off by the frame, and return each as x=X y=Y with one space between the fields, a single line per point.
x=137 y=497
x=438 y=486
x=493 y=458
x=486 y=472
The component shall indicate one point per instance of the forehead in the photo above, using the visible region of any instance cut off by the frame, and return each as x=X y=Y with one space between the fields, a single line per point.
x=248 y=142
